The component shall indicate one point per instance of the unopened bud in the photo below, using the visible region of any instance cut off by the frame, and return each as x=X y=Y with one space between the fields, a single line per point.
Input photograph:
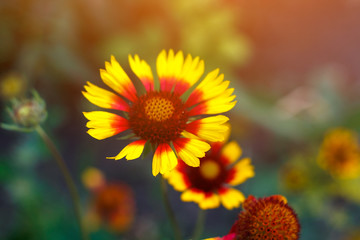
x=29 y=112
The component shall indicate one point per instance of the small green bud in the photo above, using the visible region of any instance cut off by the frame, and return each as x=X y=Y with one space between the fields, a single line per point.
x=29 y=112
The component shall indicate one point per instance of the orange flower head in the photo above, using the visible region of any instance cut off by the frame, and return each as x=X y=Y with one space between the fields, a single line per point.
x=266 y=218
x=162 y=111
x=114 y=205
x=340 y=154
x=211 y=184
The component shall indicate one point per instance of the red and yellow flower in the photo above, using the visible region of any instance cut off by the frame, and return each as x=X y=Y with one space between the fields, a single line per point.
x=112 y=203
x=211 y=183
x=266 y=218
x=230 y=236
x=340 y=153
x=163 y=109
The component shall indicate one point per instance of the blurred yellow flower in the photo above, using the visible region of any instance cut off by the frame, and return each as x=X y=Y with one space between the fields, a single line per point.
x=12 y=85
x=163 y=110
x=340 y=153
x=93 y=178
x=294 y=174
x=210 y=184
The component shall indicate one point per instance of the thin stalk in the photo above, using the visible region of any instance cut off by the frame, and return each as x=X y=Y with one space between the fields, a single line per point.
x=170 y=213
x=68 y=179
x=199 y=227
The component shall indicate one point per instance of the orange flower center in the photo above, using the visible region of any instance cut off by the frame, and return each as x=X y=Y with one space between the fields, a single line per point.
x=209 y=169
x=267 y=218
x=159 y=117
x=159 y=109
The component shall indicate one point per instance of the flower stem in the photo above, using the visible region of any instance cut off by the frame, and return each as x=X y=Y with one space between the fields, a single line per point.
x=199 y=227
x=171 y=215
x=69 y=181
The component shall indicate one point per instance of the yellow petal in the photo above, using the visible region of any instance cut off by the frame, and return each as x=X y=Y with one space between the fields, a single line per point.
x=103 y=98
x=243 y=171
x=192 y=195
x=131 y=151
x=231 y=198
x=212 y=200
x=190 y=150
x=211 y=128
x=104 y=124
x=231 y=151
x=143 y=71
x=168 y=158
x=177 y=180
x=164 y=159
x=156 y=164
x=101 y=134
x=193 y=69
x=115 y=77
x=219 y=104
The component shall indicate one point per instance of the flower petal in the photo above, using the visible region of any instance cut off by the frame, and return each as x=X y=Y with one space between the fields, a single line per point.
x=142 y=71
x=190 y=150
x=166 y=71
x=210 y=128
x=219 y=104
x=212 y=86
x=131 y=151
x=191 y=72
x=231 y=198
x=104 y=98
x=104 y=124
x=192 y=195
x=231 y=152
x=240 y=172
x=211 y=200
x=164 y=159
x=176 y=74
x=116 y=78
x=178 y=180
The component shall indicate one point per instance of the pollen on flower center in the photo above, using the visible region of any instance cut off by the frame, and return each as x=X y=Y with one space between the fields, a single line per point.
x=159 y=109
x=267 y=218
x=209 y=169
x=159 y=117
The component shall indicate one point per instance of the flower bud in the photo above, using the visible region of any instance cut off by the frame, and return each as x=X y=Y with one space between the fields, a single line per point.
x=29 y=112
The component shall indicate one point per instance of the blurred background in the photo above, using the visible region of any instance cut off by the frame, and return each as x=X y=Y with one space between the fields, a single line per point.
x=295 y=69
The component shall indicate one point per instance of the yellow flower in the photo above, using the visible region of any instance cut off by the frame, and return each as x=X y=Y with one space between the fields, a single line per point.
x=294 y=174
x=159 y=113
x=211 y=183
x=93 y=178
x=340 y=154
x=11 y=86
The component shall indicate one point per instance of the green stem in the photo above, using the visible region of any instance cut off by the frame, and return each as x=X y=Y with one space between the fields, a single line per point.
x=199 y=227
x=171 y=215
x=69 y=181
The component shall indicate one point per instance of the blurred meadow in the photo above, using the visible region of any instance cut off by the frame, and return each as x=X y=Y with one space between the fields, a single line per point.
x=295 y=68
